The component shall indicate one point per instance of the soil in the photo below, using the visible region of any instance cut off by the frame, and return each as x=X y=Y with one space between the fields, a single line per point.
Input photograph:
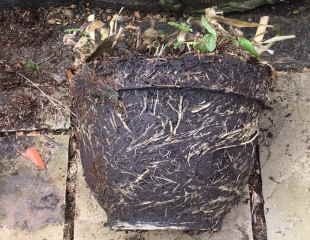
x=26 y=37
x=213 y=73
x=33 y=3
x=257 y=201
x=288 y=17
x=145 y=5
x=148 y=175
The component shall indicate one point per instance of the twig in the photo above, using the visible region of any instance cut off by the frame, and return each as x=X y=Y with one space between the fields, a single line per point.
x=261 y=29
x=114 y=22
x=53 y=100
x=279 y=38
x=50 y=98
x=120 y=31
x=46 y=59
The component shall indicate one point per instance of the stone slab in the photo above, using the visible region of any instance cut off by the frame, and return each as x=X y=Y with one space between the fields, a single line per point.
x=285 y=158
x=34 y=91
x=91 y=218
x=27 y=109
x=32 y=201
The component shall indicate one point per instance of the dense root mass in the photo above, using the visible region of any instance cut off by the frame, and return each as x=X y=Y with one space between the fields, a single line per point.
x=169 y=144
x=226 y=74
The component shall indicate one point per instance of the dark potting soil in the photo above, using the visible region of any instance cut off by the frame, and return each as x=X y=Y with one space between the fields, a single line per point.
x=227 y=74
x=288 y=17
x=33 y=3
x=160 y=5
x=169 y=143
x=144 y=5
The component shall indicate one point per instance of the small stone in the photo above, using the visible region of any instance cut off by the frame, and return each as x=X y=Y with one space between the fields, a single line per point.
x=68 y=13
x=91 y=18
x=51 y=21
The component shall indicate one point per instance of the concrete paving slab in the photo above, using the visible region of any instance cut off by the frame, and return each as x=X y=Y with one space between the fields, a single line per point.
x=31 y=200
x=33 y=72
x=28 y=109
x=286 y=159
x=90 y=219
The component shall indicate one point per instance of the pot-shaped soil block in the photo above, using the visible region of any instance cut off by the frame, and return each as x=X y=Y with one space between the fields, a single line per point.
x=169 y=143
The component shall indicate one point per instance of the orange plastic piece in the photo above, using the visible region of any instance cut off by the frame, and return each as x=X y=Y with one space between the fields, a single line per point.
x=34 y=155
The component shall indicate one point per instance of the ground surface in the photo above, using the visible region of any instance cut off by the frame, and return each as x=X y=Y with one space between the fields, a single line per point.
x=32 y=202
x=56 y=203
x=286 y=159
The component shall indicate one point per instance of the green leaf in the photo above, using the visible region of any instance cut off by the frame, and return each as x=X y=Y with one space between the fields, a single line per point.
x=183 y=27
x=248 y=46
x=177 y=44
x=206 y=44
x=72 y=30
x=31 y=66
x=207 y=26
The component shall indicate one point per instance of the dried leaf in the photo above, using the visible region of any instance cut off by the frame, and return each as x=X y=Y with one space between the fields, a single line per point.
x=69 y=75
x=33 y=155
x=238 y=23
x=279 y=38
x=261 y=30
x=150 y=33
x=92 y=38
x=91 y=18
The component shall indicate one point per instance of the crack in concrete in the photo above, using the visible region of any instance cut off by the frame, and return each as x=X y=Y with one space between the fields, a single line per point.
x=259 y=226
x=70 y=190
